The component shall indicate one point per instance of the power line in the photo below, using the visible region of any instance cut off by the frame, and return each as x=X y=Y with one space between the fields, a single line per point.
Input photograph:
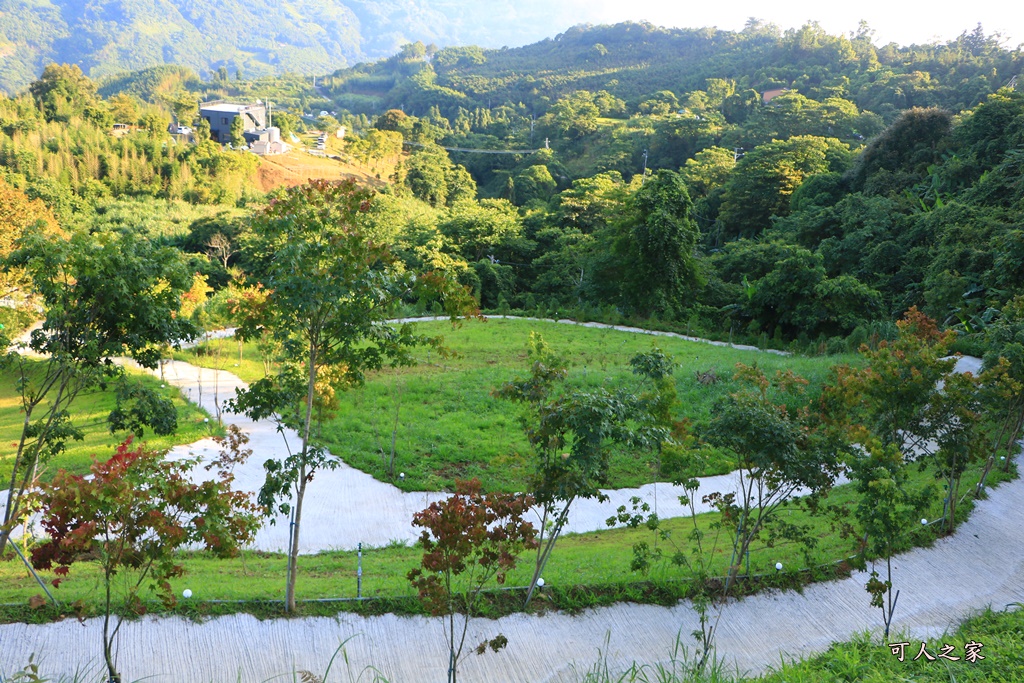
x=478 y=151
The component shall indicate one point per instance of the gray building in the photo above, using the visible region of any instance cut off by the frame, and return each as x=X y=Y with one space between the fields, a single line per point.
x=220 y=115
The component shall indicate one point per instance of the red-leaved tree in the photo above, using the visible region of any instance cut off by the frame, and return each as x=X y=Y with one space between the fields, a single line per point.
x=131 y=514
x=469 y=539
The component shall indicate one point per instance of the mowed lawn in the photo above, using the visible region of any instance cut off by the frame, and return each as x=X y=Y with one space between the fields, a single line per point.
x=448 y=425
x=89 y=413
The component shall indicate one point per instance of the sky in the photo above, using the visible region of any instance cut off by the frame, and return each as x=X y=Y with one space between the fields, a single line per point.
x=896 y=21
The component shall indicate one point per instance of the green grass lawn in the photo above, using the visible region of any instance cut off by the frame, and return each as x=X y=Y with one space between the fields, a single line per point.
x=450 y=426
x=585 y=569
x=867 y=660
x=89 y=413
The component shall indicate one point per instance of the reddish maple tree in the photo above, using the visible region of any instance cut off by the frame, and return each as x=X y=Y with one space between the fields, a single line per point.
x=469 y=539
x=130 y=515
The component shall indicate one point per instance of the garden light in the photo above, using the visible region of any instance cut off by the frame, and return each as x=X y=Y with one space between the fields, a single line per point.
x=187 y=593
x=924 y=521
x=778 y=566
x=540 y=583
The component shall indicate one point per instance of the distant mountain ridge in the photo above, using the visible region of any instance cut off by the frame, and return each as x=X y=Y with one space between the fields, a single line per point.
x=303 y=36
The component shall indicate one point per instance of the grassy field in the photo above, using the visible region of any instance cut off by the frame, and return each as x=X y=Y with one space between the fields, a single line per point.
x=298 y=167
x=450 y=426
x=585 y=570
x=89 y=413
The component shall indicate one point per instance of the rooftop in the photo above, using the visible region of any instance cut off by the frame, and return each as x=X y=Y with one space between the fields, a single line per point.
x=231 y=107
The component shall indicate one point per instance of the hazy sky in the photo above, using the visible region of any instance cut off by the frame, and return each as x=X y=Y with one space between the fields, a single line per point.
x=897 y=21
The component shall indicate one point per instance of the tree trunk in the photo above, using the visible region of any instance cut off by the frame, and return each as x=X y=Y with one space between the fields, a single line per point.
x=293 y=560
x=112 y=675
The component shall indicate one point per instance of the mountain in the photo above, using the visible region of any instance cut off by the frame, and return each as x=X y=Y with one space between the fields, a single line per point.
x=305 y=36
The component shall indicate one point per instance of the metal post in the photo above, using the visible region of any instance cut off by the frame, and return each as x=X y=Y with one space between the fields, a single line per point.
x=359 y=573
x=39 y=580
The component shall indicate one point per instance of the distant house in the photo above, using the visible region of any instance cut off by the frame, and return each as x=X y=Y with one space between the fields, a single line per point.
x=770 y=95
x=266 y=141
x=221 y=114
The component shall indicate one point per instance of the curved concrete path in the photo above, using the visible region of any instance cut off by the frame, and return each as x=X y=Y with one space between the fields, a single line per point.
x=982 y=564
x=345 y=506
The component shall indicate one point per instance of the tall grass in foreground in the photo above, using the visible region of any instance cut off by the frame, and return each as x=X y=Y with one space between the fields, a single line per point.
x=683 y=666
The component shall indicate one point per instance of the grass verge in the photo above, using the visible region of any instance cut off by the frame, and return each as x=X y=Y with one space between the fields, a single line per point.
x=586 y=570
x=89 y=413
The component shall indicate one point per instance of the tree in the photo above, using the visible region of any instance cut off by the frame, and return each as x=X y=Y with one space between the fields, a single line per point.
x=237 y=132
x=901 y=155
x=885 y=510
x=329 y=293
x=570 y=434
x=894 y=394
x=105 y=295
x=468 y=539
x=572 y=116
x=18 y=212
x=591 y=203
x=1003 y=383
x=478 y=228
x=778 y=449
x=911 y=398
x=202 y=131
x=764 y=179
x=220 y=247
x=63 y=91
x=133 y=514
x=708 y=169
x=658 y=240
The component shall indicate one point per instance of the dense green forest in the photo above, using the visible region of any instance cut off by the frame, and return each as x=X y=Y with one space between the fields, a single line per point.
x=788 y=187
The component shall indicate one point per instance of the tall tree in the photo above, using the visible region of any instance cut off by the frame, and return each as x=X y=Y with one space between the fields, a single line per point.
x=105 y=294
x=765 y=178
x=652 y=252
x=330 y=291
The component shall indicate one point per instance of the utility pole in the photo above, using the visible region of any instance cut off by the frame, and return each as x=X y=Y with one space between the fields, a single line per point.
x=737 y=152
x=643 y=176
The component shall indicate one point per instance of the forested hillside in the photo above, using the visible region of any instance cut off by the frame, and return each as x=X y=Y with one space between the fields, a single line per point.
x=795 y=188
x=300 y=36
